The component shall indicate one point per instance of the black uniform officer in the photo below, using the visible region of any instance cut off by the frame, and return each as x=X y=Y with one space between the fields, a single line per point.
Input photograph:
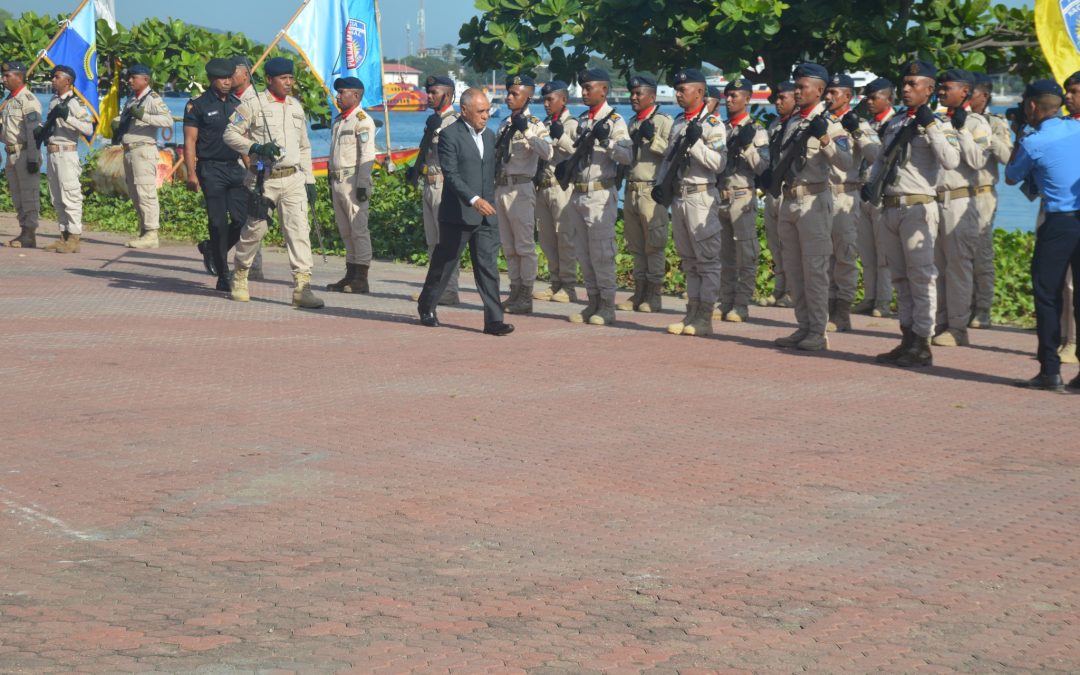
x=219 y=171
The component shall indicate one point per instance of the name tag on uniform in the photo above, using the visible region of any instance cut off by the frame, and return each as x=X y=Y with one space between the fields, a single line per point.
x=212 y=113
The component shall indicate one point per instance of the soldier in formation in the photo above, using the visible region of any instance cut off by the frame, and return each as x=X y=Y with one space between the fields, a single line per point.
x=20 y=115
x=66 y=121
x=553 y=230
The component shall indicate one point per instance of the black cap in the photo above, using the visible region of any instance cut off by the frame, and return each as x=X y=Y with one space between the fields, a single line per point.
x=781 y=87
x=520 y=80
x=843 y=81
x=690 y=76
x=918 y=68
x=278 y=66
x=1042 y=88
x=554 y=85
x=14 y=66
x=714 y=91
x=139 y=69
x=348 y=83
x=439 y=81
x=68 y=70
x=956 y=75
x=593 y=75
x=241 y=60
x=739 y=84
x=983 y=80
x=220 y=68
x=641 y=81
x=1072 y=79
x=813 y=70
x=877 y=85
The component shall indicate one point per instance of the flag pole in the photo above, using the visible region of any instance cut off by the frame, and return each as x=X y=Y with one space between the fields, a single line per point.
x=281 y=34
x=63 y=27
x=382 y=87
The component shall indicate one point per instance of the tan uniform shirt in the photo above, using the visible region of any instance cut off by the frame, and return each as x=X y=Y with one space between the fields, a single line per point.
x=352 y=146
x=930 y=152
x=865 y=146
x=78 y=123
x=606 y=155
x=527 y=148
x=648 y=156
x=744 y=163
x=1001 y=146
x=449 y=116
x=707 y=157
x=19 y=116
x=564 y=146
x=818 y=161
x=878 y=125
x=264 y=120
x=156 y=115
x=973 y=141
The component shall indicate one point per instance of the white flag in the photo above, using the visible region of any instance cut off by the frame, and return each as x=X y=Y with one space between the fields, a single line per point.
x=106 y=9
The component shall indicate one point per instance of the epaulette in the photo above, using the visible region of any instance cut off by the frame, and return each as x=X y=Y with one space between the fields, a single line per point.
x=189 y=106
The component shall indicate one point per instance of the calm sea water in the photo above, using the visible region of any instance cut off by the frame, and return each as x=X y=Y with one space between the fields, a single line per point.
x=1015 y=212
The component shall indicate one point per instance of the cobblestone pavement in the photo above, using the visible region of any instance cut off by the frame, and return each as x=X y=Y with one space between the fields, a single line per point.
x=194 y=485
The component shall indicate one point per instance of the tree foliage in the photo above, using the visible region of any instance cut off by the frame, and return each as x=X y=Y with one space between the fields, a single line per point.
x=177 y=53
x=665 y=35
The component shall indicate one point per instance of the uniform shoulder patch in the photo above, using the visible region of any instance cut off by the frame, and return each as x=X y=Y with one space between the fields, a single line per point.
x=189 y=106
x=361 y=115
x=236 y=118
x=615 y=117
x=713 y=120
x=843 y=143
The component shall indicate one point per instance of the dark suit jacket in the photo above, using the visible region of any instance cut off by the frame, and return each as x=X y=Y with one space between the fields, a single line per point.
x=465 y=175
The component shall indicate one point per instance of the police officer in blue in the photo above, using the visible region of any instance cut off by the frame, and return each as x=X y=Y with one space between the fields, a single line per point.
x=214 y=167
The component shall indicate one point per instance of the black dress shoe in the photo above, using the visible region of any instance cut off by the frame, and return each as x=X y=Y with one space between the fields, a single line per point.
x=1044 y=382
x=1074 y=384
x=429 y=319
x=224 y=285
x=498 y=328
x=207 y=258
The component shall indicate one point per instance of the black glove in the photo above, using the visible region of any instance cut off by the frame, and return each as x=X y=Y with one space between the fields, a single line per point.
x=519 y=123
x=39 y=134
x=602 y=131
x=924 y=116
x=33 y=167
x=268 y=150
x=361 y=194
x=694 y=132
x=647 y=130
x=850 y=122
x=766 y=178
x=747 y=134
x=819 y=127
x=556 y=130
x=864 y=192
x=657 y=194
x=434 y=121
x=310 y=188
x=138 y=112
x=959 y=116
x=61 y=111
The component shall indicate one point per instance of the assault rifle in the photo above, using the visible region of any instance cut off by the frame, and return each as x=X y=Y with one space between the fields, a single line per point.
x=635 y=136
x=433 y=122
x=127 y=118
x=664 y=192
x=890 y=163
x=789 y=152
x=41 y=134
x=583 y=147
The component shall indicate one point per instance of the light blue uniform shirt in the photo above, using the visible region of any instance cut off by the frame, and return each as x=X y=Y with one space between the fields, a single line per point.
x=1051 y=156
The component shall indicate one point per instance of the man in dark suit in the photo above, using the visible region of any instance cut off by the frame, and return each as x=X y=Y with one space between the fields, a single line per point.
x=466 y=214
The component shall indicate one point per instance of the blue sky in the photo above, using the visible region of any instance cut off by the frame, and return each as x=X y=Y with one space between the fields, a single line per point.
x=261 y=19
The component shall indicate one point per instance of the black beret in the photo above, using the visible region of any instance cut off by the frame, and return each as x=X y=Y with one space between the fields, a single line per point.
x=739 y=84
x=983 y=80
x=593 y=75
x=278 y=66
x=640 y=81
x=957 y=75
x=439 y=81
x=220 y=68
x=348 y=83
x=68 y=70
x=781 y=87
x=554 y=85
x=1072 y=79
x=690 y=75
x=14 y=66
x=918 y=68
x=877 y=85
x=241 y=60
x=714 y=91
x=1043 y=87
x=520 y=80
x=138 y=69
x=811 y=70
x=842 y=80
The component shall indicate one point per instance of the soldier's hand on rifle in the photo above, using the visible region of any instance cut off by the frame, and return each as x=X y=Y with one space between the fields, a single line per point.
x=361 y=194
x=311 y=194
x=694 y=132
x=864 y=192
x=850 y=122
x=924 y=116
x=62 y=111
x=33 y=166
x=819 y=127
x=959 y=116
x=602 y=131
x=647 y=130
x=556 y=130
x=434 y=120
x=39 y=134
x=138 y=112
x=746 y=136
x=657 y=194
x=519 y=123
x=115 y=126
x=766 y=178
x=268 y=150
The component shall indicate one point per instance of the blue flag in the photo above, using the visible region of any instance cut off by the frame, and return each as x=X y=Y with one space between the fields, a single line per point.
x=340 y=38
x=77 y=48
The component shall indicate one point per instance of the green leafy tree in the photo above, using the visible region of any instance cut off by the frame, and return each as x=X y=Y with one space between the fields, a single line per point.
x=665 y=35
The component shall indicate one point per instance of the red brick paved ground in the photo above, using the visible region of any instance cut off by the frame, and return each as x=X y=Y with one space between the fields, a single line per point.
x=194 y=485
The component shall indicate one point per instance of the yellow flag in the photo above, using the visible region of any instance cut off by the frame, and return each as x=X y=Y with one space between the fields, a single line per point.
x=1057 y=23
x=110 y=106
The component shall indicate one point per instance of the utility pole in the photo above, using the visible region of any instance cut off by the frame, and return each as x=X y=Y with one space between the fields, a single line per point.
x=421 y=29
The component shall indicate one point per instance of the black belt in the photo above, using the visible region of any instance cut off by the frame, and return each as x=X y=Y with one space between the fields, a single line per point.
x=234 y=160
x=1063 y=213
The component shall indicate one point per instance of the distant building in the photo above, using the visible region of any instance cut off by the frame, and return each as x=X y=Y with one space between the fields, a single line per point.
x=400 y=74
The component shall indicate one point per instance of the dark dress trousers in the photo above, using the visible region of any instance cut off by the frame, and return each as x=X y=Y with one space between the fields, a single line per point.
x=466 y=175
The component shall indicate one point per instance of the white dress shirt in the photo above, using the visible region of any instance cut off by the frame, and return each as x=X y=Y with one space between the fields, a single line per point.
x=478 y=138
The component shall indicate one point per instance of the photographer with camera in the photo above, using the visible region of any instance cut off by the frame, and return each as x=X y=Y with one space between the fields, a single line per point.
x=1047 y=157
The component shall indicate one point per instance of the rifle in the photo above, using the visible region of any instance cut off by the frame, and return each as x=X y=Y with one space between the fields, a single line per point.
x=126 y=120
x=623 y=170
x=413 y=173
x=502 y=143
x=788 y=152
x=583 y=147
x=41 y=134
x=875 y=188
x=664 y=192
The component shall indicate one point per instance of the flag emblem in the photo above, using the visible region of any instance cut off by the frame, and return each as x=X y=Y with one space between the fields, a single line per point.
x=356 y=43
